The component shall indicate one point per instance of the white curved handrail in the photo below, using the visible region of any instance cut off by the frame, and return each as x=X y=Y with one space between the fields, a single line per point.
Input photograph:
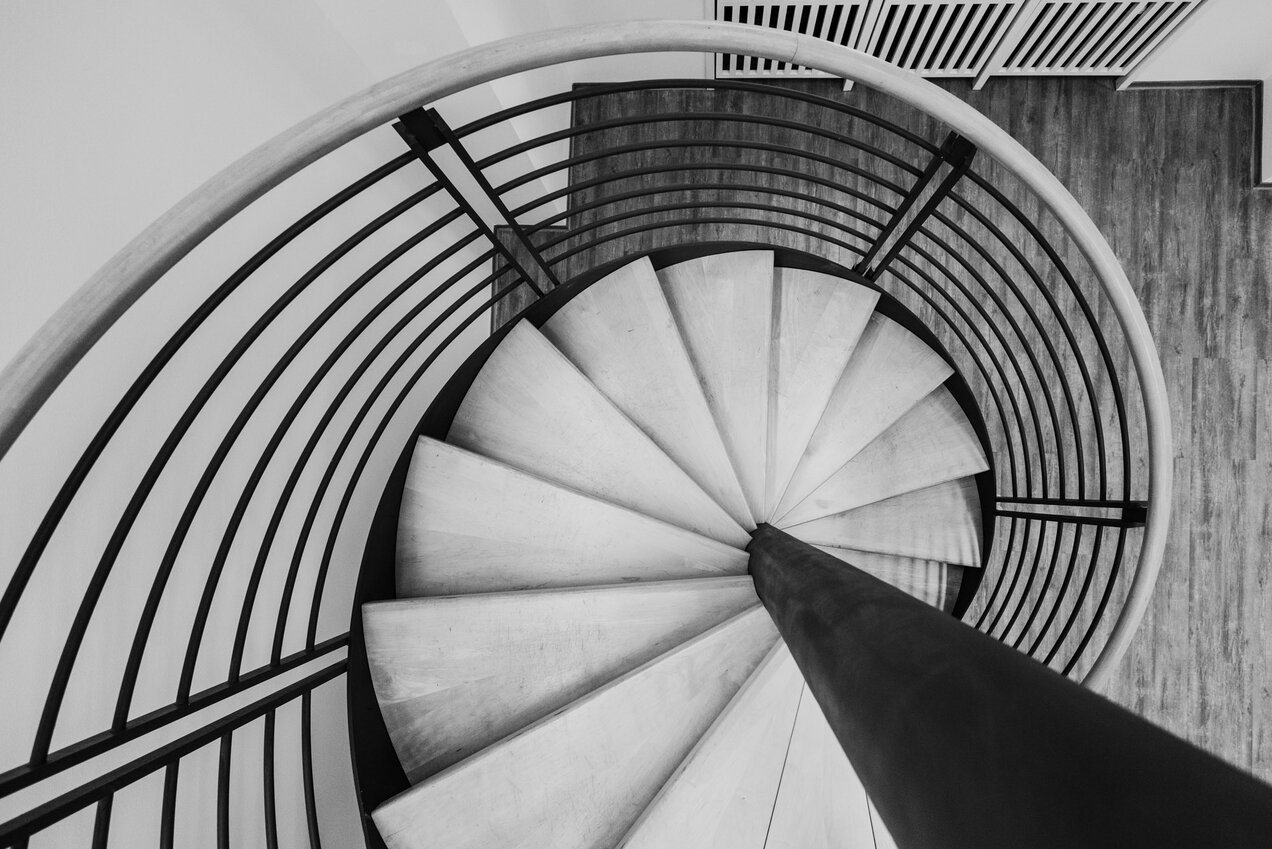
x=41 y=365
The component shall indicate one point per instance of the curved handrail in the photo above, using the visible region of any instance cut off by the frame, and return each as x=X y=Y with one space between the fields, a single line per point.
x=44 y=362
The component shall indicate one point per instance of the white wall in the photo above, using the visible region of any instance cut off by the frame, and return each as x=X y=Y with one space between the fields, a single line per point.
x=391 y=35
x=114 y=111
x=1222 y=40
x=111 y=113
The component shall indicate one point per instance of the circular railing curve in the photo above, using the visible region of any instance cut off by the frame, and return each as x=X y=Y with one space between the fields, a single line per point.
x=28 y=381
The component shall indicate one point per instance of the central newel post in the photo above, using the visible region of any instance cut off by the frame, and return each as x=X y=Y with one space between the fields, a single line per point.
x=963 y=742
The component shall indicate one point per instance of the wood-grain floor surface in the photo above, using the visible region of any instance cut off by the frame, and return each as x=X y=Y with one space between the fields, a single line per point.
x=1166 y=174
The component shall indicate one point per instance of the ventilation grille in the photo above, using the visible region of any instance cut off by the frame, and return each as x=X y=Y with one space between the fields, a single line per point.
x=967 y=39
x=1093 y=37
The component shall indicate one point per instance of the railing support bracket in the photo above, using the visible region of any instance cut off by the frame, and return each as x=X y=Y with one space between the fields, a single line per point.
x=956 y=154
x=425 y=132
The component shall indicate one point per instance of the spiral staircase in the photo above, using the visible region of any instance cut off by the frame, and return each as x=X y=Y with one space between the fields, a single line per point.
x=439 y=587
x=571 y=573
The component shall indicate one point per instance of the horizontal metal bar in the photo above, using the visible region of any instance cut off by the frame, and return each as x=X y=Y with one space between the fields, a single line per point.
x=587 y=92
x=1128 y=519
x=713 y=118
x=1069 y=502
x=715 y=165
x=56 y=810
x=107 y=741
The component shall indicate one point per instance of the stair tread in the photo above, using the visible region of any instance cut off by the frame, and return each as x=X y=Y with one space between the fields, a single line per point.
x=469 y=524
x=931 y=443
x=455 y=674
x=821 y=803
x=819 y=320
x=882 y=837
x=621 y=334
x=891 y=370
x=531 y=408
x=723 y=306
x=582 y=775
x=931 y=581
x=585 y=657
x=941 y=522
x=722 y=795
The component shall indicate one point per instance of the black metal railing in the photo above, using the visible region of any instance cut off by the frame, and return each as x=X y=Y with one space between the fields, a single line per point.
x=260 y=482
x=999 y=293
x=359 y=350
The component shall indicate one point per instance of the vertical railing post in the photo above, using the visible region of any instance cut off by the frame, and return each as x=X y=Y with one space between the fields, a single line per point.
x=168 y=809
x=101 y=823
x=963 y=742
x=224 y=774
x=956 y=154
x=307 y=769
x=425 y=132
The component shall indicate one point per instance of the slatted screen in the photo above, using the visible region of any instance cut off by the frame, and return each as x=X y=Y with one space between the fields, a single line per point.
x=939 y=39
x=959 y=39
x=840 y=23
x=1091 y=36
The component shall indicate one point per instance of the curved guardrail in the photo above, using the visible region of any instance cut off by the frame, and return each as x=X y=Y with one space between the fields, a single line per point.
x=244 y=458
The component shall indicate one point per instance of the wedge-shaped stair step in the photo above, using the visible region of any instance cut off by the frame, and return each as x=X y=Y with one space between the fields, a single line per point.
x=931 y=443
x=620 y=333
x=820 y=802
x=927 y=580
x=891 y=370
x=723 y=305
x=469 y=524
x=942 y=522
x=455 y=674
x=819 y=320
x=722 y=796
x=580 y=777
x=531 y=408
x=883 y=837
